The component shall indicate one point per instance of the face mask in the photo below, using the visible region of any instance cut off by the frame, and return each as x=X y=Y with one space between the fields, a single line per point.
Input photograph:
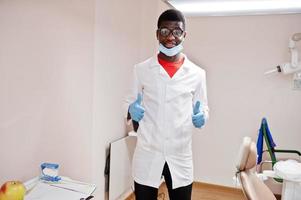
x=172 y=51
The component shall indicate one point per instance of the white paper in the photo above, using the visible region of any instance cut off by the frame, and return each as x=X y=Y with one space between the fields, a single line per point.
x=77 y=186
x=43 y=191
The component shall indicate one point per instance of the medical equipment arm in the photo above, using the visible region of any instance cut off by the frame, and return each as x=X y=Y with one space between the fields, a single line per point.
x=294 y=65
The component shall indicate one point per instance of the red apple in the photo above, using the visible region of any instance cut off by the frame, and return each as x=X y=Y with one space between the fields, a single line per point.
x=12 y=190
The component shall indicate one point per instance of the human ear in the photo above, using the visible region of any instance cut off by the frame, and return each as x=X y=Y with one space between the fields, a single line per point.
x=157 y=34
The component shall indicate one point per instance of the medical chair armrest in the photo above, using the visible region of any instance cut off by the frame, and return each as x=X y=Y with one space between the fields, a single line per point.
x=264 y=162
x=259 y=166
x=287 y=151
x=259 y=169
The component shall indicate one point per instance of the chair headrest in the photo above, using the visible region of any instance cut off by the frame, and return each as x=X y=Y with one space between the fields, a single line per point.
x=247 y=155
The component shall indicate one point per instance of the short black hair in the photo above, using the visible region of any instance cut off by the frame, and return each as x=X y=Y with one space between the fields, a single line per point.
x=171 y=15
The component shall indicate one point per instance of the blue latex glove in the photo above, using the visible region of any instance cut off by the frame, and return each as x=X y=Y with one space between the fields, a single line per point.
x=198 y=119
x=136 y=110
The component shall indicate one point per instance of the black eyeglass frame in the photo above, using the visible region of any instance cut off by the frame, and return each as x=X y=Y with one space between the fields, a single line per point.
x=171 y=31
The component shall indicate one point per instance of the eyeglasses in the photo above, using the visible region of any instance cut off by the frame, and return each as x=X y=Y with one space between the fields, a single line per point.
x=175 y=32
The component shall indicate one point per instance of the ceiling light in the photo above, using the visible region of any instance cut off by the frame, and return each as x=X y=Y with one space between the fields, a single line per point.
x=235 y=7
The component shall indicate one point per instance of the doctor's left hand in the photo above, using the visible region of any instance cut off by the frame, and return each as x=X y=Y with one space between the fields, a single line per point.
x=198 y=119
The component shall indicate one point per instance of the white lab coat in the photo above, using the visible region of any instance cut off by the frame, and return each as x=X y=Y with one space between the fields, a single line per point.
x=165 y=131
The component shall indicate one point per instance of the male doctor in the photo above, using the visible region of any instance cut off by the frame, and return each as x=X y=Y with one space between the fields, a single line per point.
x=168 y=98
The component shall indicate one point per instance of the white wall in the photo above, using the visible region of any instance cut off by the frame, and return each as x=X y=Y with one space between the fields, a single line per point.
x=46 y=81
x=64 y=69
x=236 y=51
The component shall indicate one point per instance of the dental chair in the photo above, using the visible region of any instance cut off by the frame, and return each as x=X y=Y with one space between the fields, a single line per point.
x=265 y=134
x=253 y=188
x=268 y=157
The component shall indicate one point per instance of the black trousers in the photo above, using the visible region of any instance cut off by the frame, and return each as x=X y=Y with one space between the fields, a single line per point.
x=143 y=192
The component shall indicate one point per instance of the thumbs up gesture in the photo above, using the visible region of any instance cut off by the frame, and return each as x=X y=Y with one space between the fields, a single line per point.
x=136 y=110
x=198 y=119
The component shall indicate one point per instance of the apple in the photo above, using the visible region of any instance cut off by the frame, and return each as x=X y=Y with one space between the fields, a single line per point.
x=12 y=190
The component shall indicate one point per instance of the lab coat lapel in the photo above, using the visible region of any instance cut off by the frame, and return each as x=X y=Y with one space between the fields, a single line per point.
x=158 y=69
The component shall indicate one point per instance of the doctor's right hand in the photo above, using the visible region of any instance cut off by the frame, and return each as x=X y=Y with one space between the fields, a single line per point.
x=136 y=110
